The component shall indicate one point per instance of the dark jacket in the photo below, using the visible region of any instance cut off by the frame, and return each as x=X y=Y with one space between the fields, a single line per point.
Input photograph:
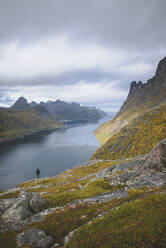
x=37 y=171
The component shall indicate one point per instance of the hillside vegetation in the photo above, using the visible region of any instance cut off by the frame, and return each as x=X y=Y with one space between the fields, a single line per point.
x=136 y=138
x=17 y=123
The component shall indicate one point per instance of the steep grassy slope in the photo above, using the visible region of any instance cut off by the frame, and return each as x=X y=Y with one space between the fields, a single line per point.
x=140 y=223
x=138 y=137
x=141 y=98
x=136 y=220
x=16 y=123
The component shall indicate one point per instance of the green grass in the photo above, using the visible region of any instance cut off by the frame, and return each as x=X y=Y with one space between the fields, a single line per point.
x=61 y=195
x=139 y=224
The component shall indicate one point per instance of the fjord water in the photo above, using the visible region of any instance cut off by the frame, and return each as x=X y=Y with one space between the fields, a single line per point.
x=53 y=152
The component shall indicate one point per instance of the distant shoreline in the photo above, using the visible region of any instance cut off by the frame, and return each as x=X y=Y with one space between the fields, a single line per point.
x=63 y=124
x=6 y=139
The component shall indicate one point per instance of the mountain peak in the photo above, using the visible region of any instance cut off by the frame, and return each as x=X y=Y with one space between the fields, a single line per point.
x=154 y=88
x=135 y=87
x=22 y=99
x=161 y=69
x=21 y=103
x=32 y=104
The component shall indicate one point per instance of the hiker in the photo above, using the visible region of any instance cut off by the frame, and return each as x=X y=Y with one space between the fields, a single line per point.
x=37 y=172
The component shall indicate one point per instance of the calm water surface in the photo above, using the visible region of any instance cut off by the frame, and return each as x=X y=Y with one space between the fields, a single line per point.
x=52 y=152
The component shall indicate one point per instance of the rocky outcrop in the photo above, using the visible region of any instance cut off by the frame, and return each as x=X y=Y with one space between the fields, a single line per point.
x=37 y=203
x=15 y=211
x=157 y=156
x=34 y=237
x=135 y=87
x=161 y=70
x=105 y=197
x=147 y=170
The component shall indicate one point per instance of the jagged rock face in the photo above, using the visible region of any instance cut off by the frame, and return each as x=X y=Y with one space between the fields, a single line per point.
x=135 y=87
x=21 y=104
x=34 y=237
x=158 y=80
x=161 y=69
x=141 y=98
x=149 y=94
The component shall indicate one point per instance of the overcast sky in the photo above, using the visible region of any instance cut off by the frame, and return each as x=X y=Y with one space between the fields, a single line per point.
x=85 y=51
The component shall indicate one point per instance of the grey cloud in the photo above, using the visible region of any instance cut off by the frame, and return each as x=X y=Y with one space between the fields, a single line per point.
x=70 y=78
x=128 y=23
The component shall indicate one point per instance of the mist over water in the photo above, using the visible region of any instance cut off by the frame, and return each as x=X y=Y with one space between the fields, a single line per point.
x=53 y=152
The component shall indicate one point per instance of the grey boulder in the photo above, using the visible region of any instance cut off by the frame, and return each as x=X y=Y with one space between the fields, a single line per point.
x=13 y=213
x=37 y=203
x=34 y=237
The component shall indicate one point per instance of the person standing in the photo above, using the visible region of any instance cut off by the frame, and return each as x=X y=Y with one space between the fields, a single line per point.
x=38 y=172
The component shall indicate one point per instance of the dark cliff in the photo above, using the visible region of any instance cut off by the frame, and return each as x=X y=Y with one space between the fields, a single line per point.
x=142 y=97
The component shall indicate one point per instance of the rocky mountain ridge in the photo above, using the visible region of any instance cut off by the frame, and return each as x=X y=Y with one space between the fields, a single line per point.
x=141 y=98
x=62 y=110
x=149 y=94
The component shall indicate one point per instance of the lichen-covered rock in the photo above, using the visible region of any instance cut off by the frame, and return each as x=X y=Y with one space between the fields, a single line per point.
x=157 y=157
x=16 y=212
x=37 y=203
x=6 y=204
x=34 y=237
x=25 y=194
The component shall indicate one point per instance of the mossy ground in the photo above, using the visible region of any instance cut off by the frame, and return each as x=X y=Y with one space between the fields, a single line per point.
x=8 y=240
x=10 y=195
x=141 y=223
x=139 y=215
